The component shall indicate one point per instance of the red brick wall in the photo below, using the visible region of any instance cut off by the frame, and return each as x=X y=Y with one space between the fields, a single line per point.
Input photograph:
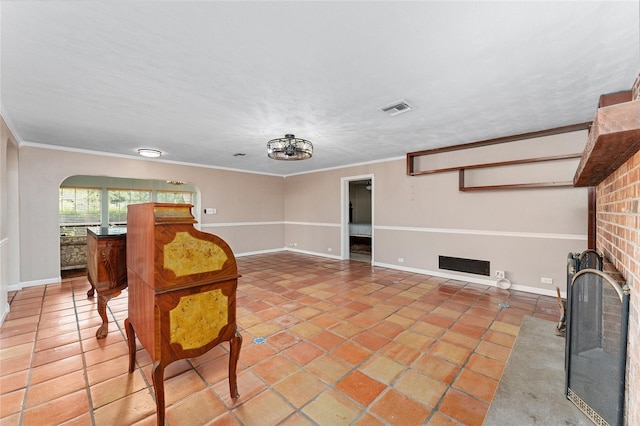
x=618 y=238
x=611 y=327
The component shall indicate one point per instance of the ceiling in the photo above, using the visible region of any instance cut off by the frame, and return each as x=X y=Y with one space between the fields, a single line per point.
x=202 y=81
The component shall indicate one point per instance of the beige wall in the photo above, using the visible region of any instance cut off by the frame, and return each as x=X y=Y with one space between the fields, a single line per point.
x=4 y=241
x=312 y=213
x=9 y=236
x=526 y=232
x=242 y=200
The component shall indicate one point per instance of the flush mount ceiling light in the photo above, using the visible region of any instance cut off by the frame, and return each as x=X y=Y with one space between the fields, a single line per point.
x=289 y=148
x=151 y=153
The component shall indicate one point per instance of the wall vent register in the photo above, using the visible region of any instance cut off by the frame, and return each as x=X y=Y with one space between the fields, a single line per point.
x=471 y=266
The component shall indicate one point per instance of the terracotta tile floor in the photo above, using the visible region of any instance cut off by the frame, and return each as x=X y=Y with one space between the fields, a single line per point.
x=345 y=343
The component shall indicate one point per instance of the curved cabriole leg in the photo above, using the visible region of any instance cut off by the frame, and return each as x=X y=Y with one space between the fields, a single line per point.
x=102 y=311
x=92 y=290
x=158 y=385
x=235 y=344
x=131 y=342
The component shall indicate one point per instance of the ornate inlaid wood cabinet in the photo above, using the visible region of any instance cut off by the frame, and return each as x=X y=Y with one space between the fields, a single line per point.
x=182 y=291
x=106 y=268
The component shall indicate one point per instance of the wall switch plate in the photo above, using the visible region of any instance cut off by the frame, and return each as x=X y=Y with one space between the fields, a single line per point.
x=209 y=210
x=545 y=280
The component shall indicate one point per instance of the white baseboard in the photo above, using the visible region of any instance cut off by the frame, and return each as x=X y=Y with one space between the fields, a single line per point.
x=485 y=281
x=536 y=290
x=313 y=253
x=35 y=283
x=475 y=280
x=251 y=253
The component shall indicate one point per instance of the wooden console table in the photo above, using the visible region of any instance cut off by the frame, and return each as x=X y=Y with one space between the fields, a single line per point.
x=106 y=268
x=182 y=291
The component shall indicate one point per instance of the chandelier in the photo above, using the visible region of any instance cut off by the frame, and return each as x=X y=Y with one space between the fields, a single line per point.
x=289 y=148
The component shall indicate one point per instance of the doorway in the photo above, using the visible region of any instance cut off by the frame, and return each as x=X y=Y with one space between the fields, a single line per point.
x=357 y=218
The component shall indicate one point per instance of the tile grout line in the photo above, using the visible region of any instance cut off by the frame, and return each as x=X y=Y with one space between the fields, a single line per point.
x=210 y=388
x=406 y=367
x=272 y=387
x=33 y=356
x=84 y=361
x=137 y=367
x=328 y=386
x=496 y=314
x=466 y=362
x=472 y=351
x=450 y=297
x=462 y=365
x=391 y=383
x=148 y=385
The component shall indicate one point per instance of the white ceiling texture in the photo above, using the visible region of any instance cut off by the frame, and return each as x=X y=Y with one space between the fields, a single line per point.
x=204 y=80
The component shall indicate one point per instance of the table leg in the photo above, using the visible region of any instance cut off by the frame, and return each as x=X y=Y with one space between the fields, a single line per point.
x=131 y=342
x=102 y=311
x=235 y=344
x=103 y=299
x=158 y=385
x=92 y=290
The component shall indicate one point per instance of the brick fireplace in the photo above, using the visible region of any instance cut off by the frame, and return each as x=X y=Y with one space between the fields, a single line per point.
x=618 y=238
x=614 y=169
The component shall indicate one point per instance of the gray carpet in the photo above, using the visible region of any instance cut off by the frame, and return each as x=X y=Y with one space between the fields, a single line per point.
x=531 y=391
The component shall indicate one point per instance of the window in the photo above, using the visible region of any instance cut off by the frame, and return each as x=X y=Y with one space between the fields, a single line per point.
x=87 y=201
x=79 y=208
x=184 y=197
x=119 y=199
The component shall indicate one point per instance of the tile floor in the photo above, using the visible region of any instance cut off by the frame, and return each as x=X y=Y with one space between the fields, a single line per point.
x=346 y=343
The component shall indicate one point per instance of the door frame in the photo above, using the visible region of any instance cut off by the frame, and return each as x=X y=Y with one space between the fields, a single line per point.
x=344 y=214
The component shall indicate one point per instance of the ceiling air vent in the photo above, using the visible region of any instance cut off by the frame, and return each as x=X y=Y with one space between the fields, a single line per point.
x=396 y=108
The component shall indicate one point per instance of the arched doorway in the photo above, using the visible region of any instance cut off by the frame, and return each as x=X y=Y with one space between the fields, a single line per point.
x=101 y=201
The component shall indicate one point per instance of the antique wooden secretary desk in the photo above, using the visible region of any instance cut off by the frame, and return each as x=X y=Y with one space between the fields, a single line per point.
x=182 y=291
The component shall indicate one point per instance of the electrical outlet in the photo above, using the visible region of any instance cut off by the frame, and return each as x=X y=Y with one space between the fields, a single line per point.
x=545 y=280
x=401 y=260
x=329 y=249
x=500 y=274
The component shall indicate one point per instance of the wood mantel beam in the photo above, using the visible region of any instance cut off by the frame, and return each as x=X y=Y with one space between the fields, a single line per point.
x=614 y=137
